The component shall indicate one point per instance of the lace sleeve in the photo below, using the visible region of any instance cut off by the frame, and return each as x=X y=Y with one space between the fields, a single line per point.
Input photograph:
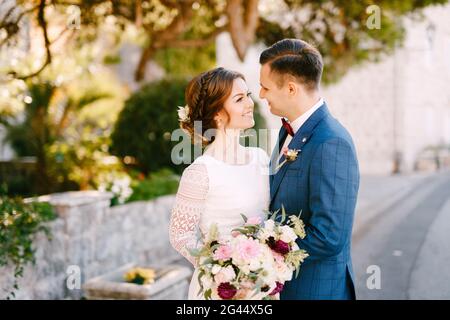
x=188 y=208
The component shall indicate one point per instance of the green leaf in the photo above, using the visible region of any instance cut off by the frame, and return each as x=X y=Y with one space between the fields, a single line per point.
x=23 y=221
x=214 y=247
x=207 y=261
x=213 y=232
x=194 y=252
x=208 y=294
x=241 y=230
x=257 y=288
x=274 y=215
x=200 y=275
x=244 y=217
x=283 y=214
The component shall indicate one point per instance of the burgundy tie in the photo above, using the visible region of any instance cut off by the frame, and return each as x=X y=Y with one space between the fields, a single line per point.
x=288 y=127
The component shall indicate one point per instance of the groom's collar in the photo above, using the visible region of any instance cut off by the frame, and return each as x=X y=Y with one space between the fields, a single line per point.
x=303 y=135
x=297 y=123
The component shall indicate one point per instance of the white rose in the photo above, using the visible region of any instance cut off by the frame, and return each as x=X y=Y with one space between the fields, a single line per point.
x=216 y=269
x=229 y=273
x=254 y=264
x=207 y=281
x=269 y=225
x=245 y=269
x=225 y=275
x=287 y=234
x=269 y=275
x=265 y=234
x=283 y=271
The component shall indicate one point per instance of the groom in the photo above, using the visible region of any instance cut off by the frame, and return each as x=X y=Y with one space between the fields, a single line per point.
x=322 y=182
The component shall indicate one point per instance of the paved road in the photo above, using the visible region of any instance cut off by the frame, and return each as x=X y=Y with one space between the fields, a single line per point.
x=408 y=237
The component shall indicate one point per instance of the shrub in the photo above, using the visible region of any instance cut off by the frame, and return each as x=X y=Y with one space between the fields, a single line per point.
x=157 y=184
x=19 y=222
x=143 y=129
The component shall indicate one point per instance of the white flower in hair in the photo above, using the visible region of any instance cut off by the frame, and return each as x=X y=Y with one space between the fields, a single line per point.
x=183 y=113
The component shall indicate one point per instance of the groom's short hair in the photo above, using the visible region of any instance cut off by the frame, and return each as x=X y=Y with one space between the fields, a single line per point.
x=296 y=58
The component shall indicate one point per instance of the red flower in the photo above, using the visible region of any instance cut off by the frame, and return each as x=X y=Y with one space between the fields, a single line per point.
x=226 y=290
x=281 y=247
x=278 y=289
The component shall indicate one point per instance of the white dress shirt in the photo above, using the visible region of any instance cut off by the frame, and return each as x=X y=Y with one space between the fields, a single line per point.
x=297 y=123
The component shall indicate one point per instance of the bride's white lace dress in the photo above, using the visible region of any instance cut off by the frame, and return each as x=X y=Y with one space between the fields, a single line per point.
x=212 y=191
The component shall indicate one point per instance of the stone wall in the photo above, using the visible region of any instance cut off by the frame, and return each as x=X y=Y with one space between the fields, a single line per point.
x=97 y=238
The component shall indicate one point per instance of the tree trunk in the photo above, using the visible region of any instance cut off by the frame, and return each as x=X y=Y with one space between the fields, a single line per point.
x=243 y=21
x=165 y=37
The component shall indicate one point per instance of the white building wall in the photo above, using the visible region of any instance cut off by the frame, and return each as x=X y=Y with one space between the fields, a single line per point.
x=399 y=105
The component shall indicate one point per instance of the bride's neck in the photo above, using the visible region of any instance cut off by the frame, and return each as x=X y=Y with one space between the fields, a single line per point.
x=226 y=147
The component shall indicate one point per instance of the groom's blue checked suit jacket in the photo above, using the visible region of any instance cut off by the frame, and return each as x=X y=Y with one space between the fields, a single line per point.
x=322 y=184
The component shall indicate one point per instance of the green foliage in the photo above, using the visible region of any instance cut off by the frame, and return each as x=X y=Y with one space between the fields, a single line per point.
x=157 y=184
x=29 y=137
x=19 y=222
x=143 y=129
x=112 y=59
x=17 y=175
x=338 y=29
x=66 y=127
x=152 y=25
x=82 y=160
x=186 y=62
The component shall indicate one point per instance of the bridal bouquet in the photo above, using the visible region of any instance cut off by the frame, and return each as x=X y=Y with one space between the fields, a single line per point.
x=254 y=262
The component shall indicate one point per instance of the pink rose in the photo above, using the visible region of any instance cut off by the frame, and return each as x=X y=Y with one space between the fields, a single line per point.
x=248 y=249
x=226 y=291
x=279 y=258
x=223 y=253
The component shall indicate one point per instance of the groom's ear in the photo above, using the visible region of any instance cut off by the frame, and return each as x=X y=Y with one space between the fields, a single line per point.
x=292 y=88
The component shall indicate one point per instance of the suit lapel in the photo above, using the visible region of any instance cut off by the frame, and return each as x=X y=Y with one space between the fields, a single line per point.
x=300 y=139
x=282 y=135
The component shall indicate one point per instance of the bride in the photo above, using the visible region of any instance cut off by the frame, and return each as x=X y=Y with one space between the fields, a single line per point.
x=228 y=179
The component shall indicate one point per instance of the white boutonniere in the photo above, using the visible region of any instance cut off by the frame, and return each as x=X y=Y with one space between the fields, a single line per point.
x=183 y=113
x=290 y=156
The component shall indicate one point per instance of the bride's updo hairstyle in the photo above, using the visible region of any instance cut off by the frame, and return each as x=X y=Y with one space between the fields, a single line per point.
x=205 y=96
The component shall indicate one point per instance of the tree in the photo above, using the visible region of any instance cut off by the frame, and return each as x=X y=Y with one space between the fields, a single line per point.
x=337 y=27
x=42 y=128
x=340 y=29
